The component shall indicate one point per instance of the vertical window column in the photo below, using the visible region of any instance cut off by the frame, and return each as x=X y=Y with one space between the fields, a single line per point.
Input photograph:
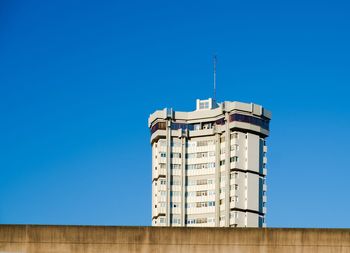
x=227 y=170
x=183 y=181
x=217 y=179
x=168 y=173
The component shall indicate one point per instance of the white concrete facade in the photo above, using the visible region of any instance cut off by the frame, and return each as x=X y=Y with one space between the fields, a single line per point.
x=209 y=165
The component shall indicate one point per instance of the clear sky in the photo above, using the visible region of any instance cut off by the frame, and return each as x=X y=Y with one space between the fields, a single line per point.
x=78 y=80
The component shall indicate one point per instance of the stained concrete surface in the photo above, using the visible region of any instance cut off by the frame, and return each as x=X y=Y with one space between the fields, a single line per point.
x=108 y=239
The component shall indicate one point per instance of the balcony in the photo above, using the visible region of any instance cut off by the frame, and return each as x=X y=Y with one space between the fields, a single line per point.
x=265 y=171
x=233 y=204
x=201 y=132
x=265 y=160
x=157 y=135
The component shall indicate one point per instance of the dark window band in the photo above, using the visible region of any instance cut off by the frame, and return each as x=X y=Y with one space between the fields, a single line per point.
x=262 y=122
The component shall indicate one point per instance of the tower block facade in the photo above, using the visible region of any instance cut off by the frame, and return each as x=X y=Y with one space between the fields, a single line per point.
x=209 y=165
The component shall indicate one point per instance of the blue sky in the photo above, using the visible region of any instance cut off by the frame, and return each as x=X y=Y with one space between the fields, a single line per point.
x=78 y=80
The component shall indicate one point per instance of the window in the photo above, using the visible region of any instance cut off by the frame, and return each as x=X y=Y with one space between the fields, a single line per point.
x=176 y=166
x=175 y=193
x=162 y=154
x=222 y=162
x=175 y=182
x=202 y=193
x=202 y=182
x=158 y=126
x=203 y=105
x=201 y=204
x=234 y=198
x=234 y=159
x=190 y=221
x=163 y=181
x=211 y=165
x=190 y=167
x=202 y=154
x=262 y=122
x=176 y=126
x=234 y=147
x=200 y=166
x=235 y=186
x=176 y=220
x=234 y=175
x=191 y=182
x=220 y=121
x=234 y=214
x=175 y=155
x=222 y=178
x=211 y=203
x=202 y=143
x=234 y=135
x=197 y=126
x=162 y=220
x=191 y=155
x=201 y=220
x=207 y=126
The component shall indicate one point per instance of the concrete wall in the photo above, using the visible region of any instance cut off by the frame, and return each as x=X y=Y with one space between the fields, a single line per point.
x=99 y=239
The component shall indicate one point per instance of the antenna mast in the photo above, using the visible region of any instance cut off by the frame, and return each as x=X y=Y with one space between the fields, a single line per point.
x=214 y=61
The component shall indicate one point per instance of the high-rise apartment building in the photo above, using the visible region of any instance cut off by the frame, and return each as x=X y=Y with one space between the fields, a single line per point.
x=209 y=165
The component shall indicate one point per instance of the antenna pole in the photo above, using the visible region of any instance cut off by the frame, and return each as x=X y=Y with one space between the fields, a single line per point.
x=214 y=61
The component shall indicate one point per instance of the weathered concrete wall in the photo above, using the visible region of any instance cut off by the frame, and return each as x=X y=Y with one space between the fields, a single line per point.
x=99 y=239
